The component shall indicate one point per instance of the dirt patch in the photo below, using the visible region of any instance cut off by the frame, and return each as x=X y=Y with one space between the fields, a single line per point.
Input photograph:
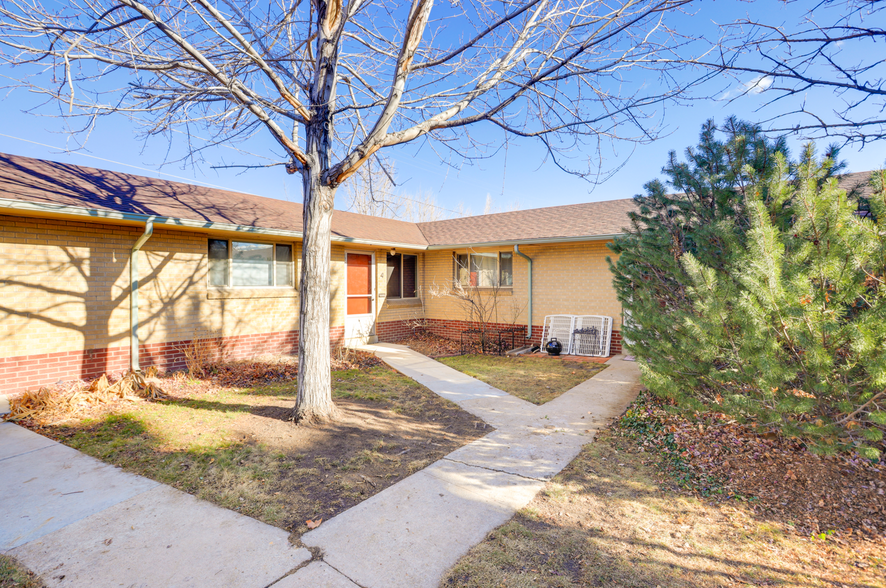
x=608 y=520
x=236 y=447
x=535 y=379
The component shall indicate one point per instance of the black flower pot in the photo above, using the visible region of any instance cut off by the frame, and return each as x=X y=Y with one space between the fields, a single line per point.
x=554 y=347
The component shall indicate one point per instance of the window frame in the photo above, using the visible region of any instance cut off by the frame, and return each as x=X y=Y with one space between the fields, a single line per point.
x=403 y=256
x=498 y=275
x=229 y=266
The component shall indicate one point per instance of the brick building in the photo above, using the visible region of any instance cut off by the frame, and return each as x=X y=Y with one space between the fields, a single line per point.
x=223 y=267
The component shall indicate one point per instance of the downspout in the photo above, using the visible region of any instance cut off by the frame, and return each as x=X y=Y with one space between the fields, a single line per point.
x=529 y=259
x=133 y=296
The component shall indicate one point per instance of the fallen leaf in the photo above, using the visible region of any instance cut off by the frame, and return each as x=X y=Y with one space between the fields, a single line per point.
x=313 y=524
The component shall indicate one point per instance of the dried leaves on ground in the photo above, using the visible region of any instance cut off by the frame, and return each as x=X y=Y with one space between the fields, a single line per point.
x=841 y=496
x=78 y=399
x=57 y=403
x=431 y=345
x=613 y=519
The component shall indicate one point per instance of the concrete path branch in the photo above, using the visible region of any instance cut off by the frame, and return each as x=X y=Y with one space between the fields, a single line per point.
x=79 y=522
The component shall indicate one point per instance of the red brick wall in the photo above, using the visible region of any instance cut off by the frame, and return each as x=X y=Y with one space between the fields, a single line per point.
x=453 y=330
x=27 y=372
x=392 y=331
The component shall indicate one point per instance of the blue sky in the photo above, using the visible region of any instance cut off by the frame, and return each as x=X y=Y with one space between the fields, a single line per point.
x=516 y=175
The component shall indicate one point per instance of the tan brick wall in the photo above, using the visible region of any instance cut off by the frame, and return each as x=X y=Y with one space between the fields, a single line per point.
x=397 y=310
x=569 y=278
x=65 y=287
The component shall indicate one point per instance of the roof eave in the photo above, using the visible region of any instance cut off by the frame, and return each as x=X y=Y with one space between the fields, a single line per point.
x=10 y=205
x=547 y=240
x=99 y=214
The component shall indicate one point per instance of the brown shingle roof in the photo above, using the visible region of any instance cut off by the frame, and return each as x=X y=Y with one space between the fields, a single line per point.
x=47 y=182
x=572 y=221
x=860 y=181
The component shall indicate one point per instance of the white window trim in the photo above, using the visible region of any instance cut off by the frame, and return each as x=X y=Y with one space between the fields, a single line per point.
x=455 y=266
x=229 y=278
x=401 y=297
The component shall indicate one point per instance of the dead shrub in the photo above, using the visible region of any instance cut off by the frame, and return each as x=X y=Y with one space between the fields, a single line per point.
x=55 y=404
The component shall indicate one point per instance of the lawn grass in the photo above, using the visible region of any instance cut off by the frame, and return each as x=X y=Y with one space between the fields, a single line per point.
x=236 y=447
x=15 y=575
x=536 y=379
x=608 y=520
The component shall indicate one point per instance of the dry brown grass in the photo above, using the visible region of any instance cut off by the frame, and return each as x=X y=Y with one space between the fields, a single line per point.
x=535 y=379
x=606 y=521
x=15 y=575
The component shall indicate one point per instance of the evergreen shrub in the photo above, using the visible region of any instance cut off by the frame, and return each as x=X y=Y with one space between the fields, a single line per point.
x=759 y=290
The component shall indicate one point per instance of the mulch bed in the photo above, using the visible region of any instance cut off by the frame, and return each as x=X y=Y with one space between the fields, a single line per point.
x=77 y=398
x=246 y=373
x=432 y=345
x=843 y=496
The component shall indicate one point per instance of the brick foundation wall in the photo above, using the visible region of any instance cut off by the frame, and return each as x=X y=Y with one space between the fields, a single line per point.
x=393 y=331
x=27 y=372
x=453 y=329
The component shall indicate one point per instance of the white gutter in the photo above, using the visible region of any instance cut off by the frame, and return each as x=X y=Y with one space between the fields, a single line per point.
x=529 y=259
x=133 y=296
x=513 y=242
x=383 y=244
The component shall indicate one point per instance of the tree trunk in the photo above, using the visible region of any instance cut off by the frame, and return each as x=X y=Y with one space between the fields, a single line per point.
x=314 y=400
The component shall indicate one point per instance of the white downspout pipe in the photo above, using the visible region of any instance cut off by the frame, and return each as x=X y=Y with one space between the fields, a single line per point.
x=133 y=296
x=529 y=259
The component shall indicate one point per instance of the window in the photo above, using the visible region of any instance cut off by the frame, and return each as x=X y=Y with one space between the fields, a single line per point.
x=249 y=265
x=485 y=270
x=402 y=275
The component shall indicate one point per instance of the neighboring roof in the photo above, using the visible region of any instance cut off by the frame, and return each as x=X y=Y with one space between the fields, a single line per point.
x=860 y=181
x=59 y=184
x=594 y=219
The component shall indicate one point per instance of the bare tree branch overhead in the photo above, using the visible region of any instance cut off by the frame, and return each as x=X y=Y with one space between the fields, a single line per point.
x=333 y=82
x=826 y=73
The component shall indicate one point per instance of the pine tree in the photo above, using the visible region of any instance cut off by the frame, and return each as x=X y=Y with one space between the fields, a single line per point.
x=704 y=214
x=776 y=312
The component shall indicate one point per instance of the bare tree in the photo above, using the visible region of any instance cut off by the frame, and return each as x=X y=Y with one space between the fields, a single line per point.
x=335 y=81
x=372 y=191
x=834 y=51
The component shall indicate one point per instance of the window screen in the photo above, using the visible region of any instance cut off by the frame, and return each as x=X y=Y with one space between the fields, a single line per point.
x=218 y=262
x=394 y=269
x=283 y=265
x=506 y=269
x=410 y=276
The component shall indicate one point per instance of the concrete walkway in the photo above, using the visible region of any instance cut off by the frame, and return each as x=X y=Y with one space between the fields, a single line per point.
x=79 y=522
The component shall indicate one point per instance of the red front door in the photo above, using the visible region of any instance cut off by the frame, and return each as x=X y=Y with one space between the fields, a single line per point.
x=359 y=283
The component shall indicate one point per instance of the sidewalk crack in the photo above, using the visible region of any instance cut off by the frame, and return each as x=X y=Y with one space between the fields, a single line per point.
x=479 y=467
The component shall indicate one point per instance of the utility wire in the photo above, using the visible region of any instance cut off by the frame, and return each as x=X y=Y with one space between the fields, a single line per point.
x=188 y=180
x=145 y=169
